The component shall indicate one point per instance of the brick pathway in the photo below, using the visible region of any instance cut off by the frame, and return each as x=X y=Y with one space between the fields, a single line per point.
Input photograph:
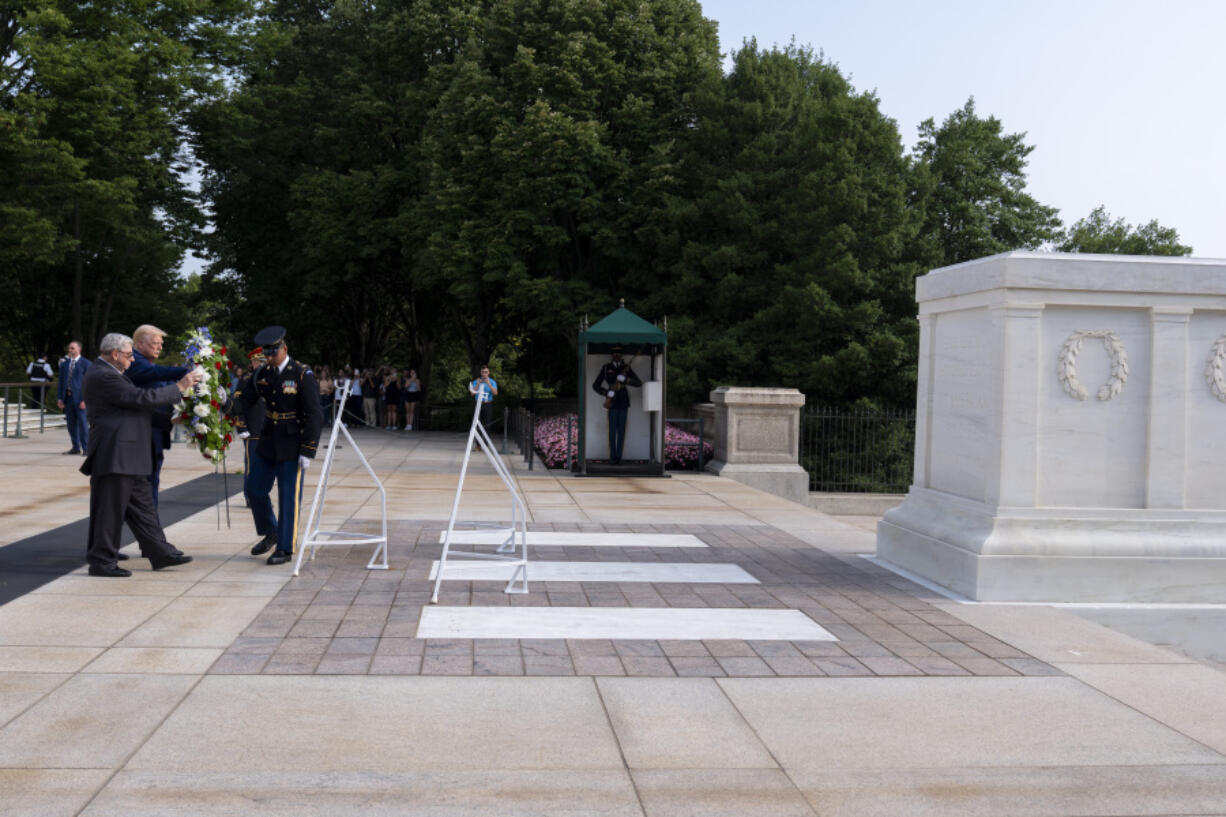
x=339 y=618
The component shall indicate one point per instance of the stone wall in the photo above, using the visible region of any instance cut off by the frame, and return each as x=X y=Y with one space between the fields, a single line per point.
x=1068 y=436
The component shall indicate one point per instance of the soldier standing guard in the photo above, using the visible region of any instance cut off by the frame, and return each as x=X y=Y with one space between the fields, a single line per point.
x=611 y=382
x=249 y=424
x=287 y=443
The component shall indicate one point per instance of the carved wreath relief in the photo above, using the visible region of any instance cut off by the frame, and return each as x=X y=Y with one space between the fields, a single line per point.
x=1213 y=369
x=1066 y=368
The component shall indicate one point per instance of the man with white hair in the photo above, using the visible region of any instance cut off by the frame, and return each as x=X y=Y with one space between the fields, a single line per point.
x=147 y=343
x=120 y=458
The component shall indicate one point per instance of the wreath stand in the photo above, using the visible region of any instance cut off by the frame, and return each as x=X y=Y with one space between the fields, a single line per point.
x=517 y=534
x=315 y=538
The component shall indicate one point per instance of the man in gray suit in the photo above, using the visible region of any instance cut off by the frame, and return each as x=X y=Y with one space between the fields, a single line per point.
x=120 y=459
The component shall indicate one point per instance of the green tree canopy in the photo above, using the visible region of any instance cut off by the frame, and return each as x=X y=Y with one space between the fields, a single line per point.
x=972 y=188
x=97 y=211
x=788 y=257
x=448 y=172
x=1097 y=233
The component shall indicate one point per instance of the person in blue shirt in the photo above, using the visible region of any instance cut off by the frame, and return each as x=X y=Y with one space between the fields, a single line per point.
x=147 y=342
x=72 y=400
x=485 y=389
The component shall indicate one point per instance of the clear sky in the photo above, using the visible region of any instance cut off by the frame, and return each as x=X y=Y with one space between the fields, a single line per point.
x=1124 y=101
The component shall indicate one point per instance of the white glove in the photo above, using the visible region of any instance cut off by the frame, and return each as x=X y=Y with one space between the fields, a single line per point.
x=242 y=435
x=303 y=463
x=621 y=378
x=610 y=393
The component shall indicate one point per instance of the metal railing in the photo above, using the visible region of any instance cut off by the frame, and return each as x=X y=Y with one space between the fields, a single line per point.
x=13 y=423
x=519 y=427
x=857 y=450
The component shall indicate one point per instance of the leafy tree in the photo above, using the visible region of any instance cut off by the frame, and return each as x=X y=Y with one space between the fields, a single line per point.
x=312 y=169
x=549 y=156
x=1097 y=233
x=388 y=178
x=972 y=187
x=97 y=211
x=788 y=260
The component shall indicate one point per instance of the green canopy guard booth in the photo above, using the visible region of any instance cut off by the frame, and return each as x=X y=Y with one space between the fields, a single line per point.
x=644 y=347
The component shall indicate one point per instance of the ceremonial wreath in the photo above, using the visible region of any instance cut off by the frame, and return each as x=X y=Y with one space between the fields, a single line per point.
x=201 y=408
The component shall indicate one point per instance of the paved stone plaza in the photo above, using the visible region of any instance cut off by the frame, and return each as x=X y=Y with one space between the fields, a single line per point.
x=226 y=687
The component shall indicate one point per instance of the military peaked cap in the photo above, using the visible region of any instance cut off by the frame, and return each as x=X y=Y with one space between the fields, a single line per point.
x=270 y=336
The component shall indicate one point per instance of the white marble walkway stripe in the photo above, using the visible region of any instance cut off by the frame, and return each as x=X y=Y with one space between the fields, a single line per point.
x=579 y=539
x=649 y=623
x=655 y=572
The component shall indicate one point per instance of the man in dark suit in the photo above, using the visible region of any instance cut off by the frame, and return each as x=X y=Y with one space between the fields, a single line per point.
x=292 y=423
x=71 y=399
x=147 y=344
x=120 y=458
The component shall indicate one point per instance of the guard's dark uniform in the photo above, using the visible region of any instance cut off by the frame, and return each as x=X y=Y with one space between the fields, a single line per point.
x=251 y=422
x=292 y=422
x=619 y=408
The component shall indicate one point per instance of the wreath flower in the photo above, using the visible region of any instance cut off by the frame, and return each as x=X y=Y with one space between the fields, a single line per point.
x=200 y=408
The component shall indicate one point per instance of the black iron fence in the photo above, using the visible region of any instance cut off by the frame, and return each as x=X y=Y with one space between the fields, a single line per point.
x=857 y=450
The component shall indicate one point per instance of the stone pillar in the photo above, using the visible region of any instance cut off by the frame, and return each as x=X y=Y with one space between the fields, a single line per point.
x=757 y=439
x=923 y=401
x=707 y=412
x=1015 y=482
x=1068 y=440
x=1168 y=416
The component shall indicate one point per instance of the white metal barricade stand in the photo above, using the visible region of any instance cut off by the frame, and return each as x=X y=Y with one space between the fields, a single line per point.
x=516 y=534
x=315 y=537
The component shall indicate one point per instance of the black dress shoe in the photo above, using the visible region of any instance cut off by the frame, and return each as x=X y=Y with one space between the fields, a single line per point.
x=72 y=451
x=109 y=571
x=264 y=545
x=171 y=560
x=121 y=557
x=279 y=557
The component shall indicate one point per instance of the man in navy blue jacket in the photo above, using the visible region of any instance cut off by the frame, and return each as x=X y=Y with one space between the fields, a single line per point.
x=71 y=398
x=147 y=344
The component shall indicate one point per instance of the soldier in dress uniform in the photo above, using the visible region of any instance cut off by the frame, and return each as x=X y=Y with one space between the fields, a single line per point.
x=249 y=424
x=287 y=442
x=611 y=383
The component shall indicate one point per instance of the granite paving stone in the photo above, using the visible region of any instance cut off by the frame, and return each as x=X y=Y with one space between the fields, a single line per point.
x=597 y=665
x=647 y=665
x=841 y=666
x=744 y=666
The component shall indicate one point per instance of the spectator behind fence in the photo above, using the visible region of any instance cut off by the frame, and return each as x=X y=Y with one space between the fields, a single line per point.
x=40 y=373
x=370 y=398
x=327 y=388
x=71 y=398
x=391 y=400
x=412 y=396
x=353 y=406
x=484 y=390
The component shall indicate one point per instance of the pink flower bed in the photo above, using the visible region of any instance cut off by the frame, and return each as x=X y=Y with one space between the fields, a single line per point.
x=680 y=450
x=550 y=438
